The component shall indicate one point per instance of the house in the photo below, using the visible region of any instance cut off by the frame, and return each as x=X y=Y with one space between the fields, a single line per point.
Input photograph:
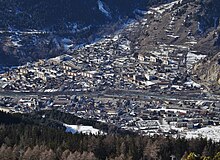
x=150 y=77
x=62 y=101
x=196 y=120
x=217 y=104
x=153 y=59
x=68 y=65
x=171 y=119
x=141 y=57
x=23 y=70
x=88 y=74
x=190 y=125
x=71 y=73
x=148 y=124
x=54 y=61
x=41 y=75
x=181 y=124
x=29 y=102
x=111 y=112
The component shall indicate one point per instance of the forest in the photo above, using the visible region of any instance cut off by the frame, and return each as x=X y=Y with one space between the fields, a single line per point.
x=59 y=14
x=31 y=137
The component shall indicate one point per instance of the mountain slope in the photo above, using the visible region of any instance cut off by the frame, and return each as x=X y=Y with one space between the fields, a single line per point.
x=192 y=26
x=33 y=29
x=58 y=14
x=188 y=22
x=208 y=71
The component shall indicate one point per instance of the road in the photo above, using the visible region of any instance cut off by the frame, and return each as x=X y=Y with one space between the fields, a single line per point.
x=122 y=94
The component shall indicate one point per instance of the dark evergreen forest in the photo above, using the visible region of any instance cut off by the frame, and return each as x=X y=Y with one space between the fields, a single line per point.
x=57 y=14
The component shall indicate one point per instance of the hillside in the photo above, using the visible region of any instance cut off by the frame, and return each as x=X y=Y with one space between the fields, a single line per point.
x=192 y=26
x=59 y=14
x=32 y=30
x=189 y=23
x=208 y=71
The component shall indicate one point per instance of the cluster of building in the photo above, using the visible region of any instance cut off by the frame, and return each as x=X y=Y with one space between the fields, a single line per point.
x=108 y=63
x=142 y=116
x=80 y=83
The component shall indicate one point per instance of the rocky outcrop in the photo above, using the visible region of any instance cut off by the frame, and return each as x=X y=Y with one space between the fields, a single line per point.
x=208 y=71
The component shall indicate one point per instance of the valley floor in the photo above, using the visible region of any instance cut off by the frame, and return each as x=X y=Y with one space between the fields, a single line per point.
x=142 y=86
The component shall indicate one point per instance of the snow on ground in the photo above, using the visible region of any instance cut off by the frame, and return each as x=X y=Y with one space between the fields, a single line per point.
x=124 y=47
x=173 y=36
x=140 y=12
x=210 y=132
x=67 y=47
x=102 y=9
x=50 y=90
x=82 y=129
x=193 y=58
x=149 y=83
x=192 y=42
x=161 y=9
x=16 y=43
x=150 y=12
x=5 y=110
x=192 y=83
x=115 y=38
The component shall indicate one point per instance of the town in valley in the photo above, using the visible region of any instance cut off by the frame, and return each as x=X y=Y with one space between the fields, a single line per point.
x=109 y=80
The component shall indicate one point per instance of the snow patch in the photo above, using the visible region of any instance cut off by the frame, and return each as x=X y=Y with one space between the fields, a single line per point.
x=4 y=109
x=140 y=12
x=82 y=129
x=192 y=58
x=192 y=83
x=162 y=8
x=216 y=22
x=102 y=8
x=210 y=132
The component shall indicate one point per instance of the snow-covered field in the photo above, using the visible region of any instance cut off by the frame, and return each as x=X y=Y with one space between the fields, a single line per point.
x=82 y=129
x=5 y=109
x=210 y=132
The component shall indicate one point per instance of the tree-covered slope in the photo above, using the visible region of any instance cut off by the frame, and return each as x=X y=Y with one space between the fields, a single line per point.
x=58 y=14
